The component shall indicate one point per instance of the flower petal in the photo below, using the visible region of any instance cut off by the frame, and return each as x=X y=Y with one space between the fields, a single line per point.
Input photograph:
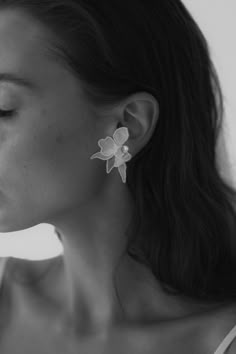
x=110 y=164
x=121 y=135
x=119 y=161
x=108 y=146
x=121 y=158
x=99 y=155
x=122 y=171
x=119 y=154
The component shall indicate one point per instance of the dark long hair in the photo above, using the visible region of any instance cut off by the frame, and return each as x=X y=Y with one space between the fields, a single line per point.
x=184 y=222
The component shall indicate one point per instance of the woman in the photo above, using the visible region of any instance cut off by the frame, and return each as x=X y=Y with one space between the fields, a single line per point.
x=110 y=115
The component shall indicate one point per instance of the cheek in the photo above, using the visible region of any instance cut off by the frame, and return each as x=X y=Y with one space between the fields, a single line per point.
x=67 y=175
x=58 y=160
x=46 y=172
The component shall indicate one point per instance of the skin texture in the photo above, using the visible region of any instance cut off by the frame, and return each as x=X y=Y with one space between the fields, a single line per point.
x=46 y=176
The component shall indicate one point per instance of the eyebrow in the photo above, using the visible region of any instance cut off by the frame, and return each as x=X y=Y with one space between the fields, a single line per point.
x=17 y=80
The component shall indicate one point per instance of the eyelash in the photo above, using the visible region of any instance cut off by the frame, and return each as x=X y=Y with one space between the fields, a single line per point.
x=8 y=113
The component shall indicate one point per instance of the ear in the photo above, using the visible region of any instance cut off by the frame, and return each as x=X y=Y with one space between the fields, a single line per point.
x=140 y=116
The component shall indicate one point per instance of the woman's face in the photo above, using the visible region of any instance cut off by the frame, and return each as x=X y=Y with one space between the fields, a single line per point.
x=45 y=146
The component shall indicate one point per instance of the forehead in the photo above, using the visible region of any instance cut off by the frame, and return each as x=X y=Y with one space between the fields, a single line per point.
x=23 y=44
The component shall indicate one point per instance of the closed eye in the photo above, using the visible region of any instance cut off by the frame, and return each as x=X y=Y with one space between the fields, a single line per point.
x=4 y=113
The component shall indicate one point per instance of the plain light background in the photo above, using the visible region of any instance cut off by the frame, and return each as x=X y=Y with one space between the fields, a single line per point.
x=216 y=19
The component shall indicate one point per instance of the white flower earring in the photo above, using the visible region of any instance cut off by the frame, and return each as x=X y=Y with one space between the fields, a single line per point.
x=115 y=152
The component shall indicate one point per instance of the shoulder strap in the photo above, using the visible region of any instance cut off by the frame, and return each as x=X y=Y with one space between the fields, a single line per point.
x=226 y=341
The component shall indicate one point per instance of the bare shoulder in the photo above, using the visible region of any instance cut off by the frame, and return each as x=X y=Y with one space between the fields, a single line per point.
x=221 y=323
x=3 y=265
x=230 y=320
x=204 y=330
x=232 y=348
x=3 y=262
x=24 y=270
x=18 y=271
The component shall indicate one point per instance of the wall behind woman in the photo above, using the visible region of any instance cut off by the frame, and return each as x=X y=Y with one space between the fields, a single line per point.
x=217 y=21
